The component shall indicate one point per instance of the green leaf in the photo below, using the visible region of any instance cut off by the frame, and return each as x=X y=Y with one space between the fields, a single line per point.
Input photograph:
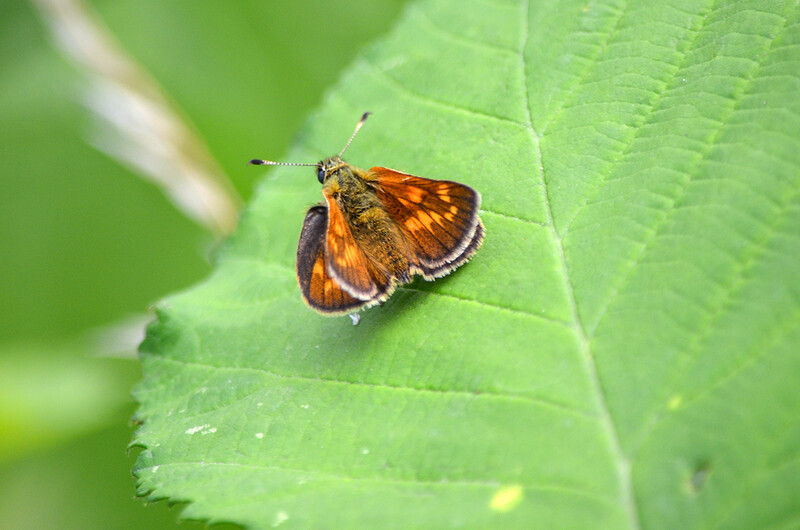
x=621 y=352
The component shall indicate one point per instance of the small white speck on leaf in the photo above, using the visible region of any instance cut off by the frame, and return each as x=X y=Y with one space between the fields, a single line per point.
x=259 y=435
x=355 y=317
x=199 y=428
x=364 y=450
x=280 y=517
x=202 y=429
x=304 y=406
x=394 y=63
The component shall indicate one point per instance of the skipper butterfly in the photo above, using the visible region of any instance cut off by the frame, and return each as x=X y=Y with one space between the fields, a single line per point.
x=376 y=229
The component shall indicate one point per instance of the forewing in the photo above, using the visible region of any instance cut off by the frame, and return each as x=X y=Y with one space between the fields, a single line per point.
x=439 y=217
x=348 y=265
x=319 y=289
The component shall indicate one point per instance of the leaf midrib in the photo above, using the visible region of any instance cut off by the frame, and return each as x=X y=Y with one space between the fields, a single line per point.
x=620 y=461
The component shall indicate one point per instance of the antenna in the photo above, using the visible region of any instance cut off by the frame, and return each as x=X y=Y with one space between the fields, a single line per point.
x=257 y=162
x=358 y=126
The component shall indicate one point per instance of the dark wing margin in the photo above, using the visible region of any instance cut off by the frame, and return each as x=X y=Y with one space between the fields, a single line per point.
x=319 y=289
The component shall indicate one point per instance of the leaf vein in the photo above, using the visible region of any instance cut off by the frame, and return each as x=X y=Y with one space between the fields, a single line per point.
x=708 y=146
x=553 y=405
x=646 y=116
x=425 y=98
x=513 y=217
x=700 y=334
x=436 y=28
x=567 y=490
x=432 y=292
x=582 y=77
x=626 y=500
x=489 y=305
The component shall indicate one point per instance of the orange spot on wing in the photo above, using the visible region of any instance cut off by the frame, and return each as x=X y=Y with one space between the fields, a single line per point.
x=436 y=217
x=413 y=224
x=414 y=194
x=318 y=268
x=426 y=220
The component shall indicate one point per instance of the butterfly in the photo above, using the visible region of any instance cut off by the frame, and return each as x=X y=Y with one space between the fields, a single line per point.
x=376 y=229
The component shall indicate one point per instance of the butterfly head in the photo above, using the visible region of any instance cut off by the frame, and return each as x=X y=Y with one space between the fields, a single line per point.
x=328 y=167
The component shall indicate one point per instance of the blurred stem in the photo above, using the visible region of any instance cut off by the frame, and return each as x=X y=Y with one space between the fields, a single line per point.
x=136 y=123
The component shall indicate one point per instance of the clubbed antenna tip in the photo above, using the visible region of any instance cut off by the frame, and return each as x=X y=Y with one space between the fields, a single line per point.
x=358 y=126
x=257 y=162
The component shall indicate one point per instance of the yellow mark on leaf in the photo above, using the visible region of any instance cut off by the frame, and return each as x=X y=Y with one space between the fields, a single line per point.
x=674 y=402
x=506 y=498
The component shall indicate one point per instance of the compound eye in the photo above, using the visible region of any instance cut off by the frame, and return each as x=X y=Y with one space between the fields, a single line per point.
x=321 y=175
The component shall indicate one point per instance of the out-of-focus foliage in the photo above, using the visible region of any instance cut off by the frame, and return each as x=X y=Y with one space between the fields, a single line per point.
x=85 y=241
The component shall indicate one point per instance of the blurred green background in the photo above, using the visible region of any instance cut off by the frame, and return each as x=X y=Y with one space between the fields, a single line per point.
x=88 y=240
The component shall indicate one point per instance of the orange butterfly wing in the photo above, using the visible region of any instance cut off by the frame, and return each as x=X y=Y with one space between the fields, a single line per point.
x=355 y=272
x=439 y=218
x=319 y=289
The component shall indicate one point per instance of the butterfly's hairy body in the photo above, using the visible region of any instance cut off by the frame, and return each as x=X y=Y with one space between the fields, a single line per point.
x=373 y=229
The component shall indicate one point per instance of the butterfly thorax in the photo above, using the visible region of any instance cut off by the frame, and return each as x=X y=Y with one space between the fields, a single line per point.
x=372 y=228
